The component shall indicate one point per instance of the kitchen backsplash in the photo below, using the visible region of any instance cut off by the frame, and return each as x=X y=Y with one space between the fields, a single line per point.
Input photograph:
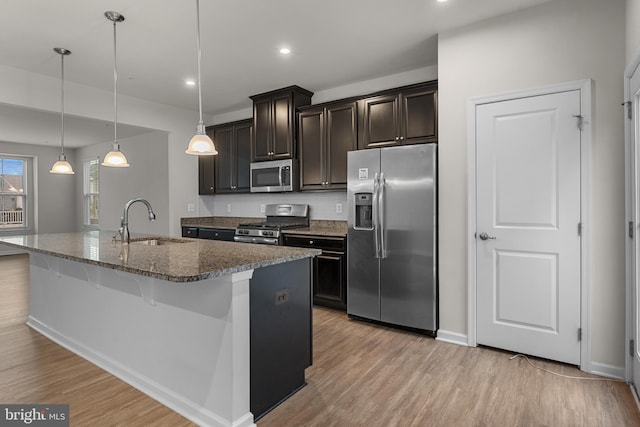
x=323 y=205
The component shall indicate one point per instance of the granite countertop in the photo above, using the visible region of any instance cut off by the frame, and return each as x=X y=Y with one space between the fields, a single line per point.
x=321 y=228
x=318 y=227
x=192 y=260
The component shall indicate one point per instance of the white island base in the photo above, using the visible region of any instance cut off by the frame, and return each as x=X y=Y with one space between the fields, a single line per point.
x=184 y=344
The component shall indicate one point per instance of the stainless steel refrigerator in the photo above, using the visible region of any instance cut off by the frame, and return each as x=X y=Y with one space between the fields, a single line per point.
x=391 y=250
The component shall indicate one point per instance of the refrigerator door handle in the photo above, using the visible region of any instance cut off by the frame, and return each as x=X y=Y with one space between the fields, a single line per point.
x=381 y=206
x=375 y=214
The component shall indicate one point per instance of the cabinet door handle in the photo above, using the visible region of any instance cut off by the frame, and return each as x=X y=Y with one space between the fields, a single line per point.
x=311 y=242
x=397 y=138
x=402 y=138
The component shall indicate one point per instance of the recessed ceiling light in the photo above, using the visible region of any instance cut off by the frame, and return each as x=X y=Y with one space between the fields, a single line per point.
x=285 y=51
x=441 y=1
x=190 y=82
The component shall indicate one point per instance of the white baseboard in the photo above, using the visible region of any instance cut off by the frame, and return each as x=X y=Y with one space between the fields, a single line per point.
x=609 y=371
x=452 y=337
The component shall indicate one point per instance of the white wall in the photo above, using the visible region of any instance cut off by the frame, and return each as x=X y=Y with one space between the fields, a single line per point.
x=147 y=177
x=55 y=194
x=322 y=204
x=558 y=41
x=29 y=90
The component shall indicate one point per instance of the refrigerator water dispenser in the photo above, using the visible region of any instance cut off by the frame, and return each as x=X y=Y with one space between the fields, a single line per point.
x=364 y=210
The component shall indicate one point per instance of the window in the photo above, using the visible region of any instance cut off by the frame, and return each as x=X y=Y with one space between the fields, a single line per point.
x=13 y=193
x=91 y=192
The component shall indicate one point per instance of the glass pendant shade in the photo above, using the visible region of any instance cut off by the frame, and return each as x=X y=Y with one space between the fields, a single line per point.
x=115 y=158
x=62 y=166
x=200 y=144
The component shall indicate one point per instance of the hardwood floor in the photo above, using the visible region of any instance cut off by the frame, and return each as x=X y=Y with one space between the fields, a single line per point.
x=368 y=375
x=363 y=375
x=33 y=369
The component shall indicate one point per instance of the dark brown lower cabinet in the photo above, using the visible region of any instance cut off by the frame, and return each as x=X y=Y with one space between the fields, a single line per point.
x=329 y=268
x=210 y=233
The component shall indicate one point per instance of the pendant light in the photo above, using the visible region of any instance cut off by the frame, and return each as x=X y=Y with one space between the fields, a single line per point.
x=62 y=166
x=115 y=158
x=200 y=144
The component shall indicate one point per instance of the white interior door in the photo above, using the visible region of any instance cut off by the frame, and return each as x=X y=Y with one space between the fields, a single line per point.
x=528 y=225
x=633 y=139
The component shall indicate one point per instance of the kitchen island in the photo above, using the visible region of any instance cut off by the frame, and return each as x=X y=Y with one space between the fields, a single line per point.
x=170 y=317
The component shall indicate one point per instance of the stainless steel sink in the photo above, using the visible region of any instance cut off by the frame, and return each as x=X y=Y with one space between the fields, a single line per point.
x=156 y=241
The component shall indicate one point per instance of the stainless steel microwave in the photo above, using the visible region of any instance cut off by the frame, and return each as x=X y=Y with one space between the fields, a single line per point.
x=274 y=176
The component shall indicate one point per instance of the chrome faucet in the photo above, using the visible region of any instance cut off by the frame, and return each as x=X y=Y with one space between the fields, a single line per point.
x=124 y=221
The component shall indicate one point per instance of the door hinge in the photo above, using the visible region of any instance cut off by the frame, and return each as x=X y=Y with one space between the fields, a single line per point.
x=579 y=334
x=580 y=121
x=579 y=229
x=629 y=106
x=632 y=347
x=631 y=229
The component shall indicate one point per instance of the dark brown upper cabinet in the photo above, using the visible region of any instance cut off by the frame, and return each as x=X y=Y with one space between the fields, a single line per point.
x=233 y=142
x=206 y=171
x=407 y=115
x=274 y=122
x=325 y=134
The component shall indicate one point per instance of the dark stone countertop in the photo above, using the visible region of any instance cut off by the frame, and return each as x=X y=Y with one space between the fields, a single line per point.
x=187 y=261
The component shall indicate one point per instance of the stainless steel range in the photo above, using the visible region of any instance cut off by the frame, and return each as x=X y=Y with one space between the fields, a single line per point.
x=279 y=217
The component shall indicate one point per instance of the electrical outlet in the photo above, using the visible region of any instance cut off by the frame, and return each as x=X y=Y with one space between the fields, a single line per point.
x=282 y=296
x=191 y=207
x=338 y=207
x=262 y=207
x=229 y=208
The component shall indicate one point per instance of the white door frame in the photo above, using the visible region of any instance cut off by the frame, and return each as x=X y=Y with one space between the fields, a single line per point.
x=584 y=86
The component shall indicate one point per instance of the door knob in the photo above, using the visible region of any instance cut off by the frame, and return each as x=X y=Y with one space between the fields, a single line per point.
x=485 y=236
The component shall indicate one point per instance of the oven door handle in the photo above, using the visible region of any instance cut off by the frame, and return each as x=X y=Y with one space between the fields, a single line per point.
x=262 y=240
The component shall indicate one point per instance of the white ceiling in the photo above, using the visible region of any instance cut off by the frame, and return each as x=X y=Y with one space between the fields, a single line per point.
x=333 y=43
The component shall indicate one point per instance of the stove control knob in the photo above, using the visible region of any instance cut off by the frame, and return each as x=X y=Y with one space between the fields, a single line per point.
x=268 y=233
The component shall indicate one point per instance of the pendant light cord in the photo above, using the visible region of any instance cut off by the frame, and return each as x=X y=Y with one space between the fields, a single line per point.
x=115 y=87
x=62 y=106
x=200 y=123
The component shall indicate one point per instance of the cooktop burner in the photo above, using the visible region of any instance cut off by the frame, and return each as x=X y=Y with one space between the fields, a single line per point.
x=279 y=217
